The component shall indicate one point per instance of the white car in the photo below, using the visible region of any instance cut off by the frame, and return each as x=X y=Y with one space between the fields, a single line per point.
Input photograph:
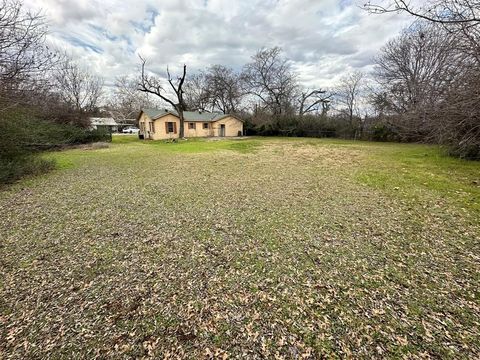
x=131 y=130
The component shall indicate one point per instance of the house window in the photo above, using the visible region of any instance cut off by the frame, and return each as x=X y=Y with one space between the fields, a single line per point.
x=152 y=127
x=191 y=126
x=170 y=127
x=205 y=125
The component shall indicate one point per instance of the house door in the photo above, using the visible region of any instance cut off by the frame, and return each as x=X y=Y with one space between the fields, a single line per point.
x=222 y=130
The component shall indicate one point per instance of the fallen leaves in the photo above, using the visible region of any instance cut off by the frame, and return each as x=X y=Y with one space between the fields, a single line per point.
x=280 y=254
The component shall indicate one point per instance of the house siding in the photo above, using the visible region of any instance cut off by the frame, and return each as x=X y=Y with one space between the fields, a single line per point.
x=161 y=130
x=232 y=126
x=144 y=125
x=199 y=130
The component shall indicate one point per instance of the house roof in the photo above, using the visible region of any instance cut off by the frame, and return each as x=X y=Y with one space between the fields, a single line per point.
x=190 y=116
x=108 y=121
x=126 y=121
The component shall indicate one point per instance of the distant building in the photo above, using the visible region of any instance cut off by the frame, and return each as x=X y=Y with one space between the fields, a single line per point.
x=106 y=123
x=165 y=124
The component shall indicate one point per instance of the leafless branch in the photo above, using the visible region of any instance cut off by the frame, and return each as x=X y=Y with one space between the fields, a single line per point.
x=153 y=85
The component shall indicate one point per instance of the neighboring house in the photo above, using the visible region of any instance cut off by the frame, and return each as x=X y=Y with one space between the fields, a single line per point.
x=104 y=123
x=165 y=124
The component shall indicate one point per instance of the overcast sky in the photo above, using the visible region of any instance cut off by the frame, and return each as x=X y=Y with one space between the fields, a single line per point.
x=324 y=38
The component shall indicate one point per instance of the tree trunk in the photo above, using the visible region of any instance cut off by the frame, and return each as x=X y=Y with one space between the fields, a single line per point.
x=181 y=134
x=302 y=104
x=354 y=131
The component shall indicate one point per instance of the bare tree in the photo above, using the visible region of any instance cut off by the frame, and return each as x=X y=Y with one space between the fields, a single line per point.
x=444 y=92
x=217 y=88
x=456 y=118
x=153 y=85
x=348 y=97
x=459 y=17
x=429 y=89
x=224 y=88
x=25 y=57
x=77 y=87
x=415 y=66
x=447 y=12
x=316 y=100
x=197 y=95
x=127 y=101
x=415 y=71
x=270 y=78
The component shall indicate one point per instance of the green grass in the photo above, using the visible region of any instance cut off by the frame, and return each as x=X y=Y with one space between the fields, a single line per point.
x=192 y=145
x=125 y=139
x=418 y=170
x=251 y=248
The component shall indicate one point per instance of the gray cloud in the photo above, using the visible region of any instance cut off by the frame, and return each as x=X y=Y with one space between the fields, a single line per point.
x=323 y=39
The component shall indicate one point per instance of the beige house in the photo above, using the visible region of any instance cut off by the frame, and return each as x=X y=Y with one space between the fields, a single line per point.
x=165 y=124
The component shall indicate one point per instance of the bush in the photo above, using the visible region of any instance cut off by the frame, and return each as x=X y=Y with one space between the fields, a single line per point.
x=302 y=126
x=467 y=151
x=23 y=136
x=249 y=127
x=383 y=132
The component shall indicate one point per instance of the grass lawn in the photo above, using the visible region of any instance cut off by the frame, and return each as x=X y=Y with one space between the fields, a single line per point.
x=257 y=248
